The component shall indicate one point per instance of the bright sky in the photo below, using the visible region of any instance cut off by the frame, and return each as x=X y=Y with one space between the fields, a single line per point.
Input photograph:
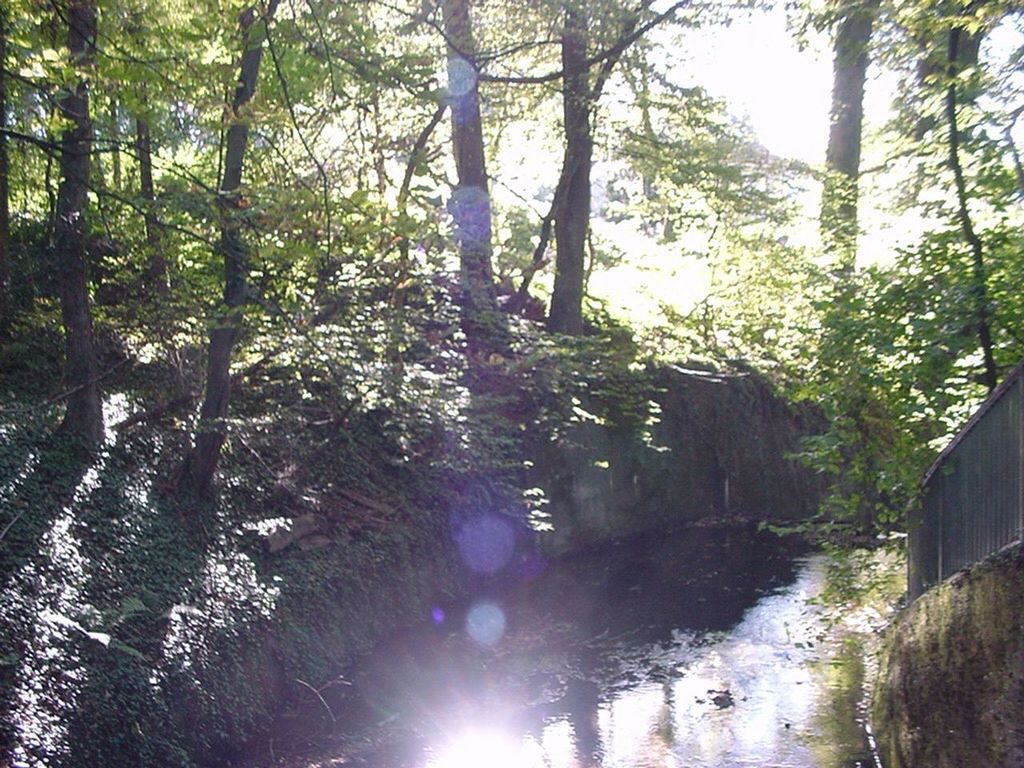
x=755 y=66
x=784 y=93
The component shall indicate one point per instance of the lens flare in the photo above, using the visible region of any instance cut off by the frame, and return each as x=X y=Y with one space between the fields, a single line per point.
x=470 y=208
x=486 y=543
x=461 y=76
x=485 y=623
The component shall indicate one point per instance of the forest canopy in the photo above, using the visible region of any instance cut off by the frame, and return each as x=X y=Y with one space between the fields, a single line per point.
x=201 y=188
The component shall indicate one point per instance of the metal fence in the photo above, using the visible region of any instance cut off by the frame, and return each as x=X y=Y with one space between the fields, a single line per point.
x=973 y=495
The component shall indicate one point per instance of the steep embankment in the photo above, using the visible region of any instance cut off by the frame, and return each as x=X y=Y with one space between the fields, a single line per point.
x=716 y=446
x=163 y=638
x=174 y=636
x=950 y=690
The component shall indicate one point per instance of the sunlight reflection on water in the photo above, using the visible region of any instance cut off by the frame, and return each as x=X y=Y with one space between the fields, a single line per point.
x=749 y=696
x=490 y=748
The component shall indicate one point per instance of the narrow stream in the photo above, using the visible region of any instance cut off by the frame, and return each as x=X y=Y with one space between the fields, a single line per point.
x=692 y=651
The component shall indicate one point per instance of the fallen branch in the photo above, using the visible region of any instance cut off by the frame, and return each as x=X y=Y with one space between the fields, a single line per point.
x=11 y=522
x=161 y=409
x=319 y=696
x=365 y=501
x=155 y=412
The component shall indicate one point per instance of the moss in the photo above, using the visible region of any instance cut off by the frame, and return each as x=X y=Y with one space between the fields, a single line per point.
x=950 y=691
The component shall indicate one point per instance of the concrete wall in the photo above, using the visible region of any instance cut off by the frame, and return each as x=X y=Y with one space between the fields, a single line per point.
x=720 y=450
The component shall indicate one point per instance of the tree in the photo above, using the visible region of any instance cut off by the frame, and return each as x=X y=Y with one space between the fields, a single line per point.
x=979 y=288
x=571 y=206
x=156 y=267
x=580 y=96
x=83 y=415
x=5 y=190
x=470 y=203
x=197 y=472
x=849 y=67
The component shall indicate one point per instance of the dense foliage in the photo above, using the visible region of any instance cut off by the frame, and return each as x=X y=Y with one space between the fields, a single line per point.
x=299 y=255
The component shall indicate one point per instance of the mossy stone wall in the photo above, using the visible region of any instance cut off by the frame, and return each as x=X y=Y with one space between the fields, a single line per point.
x=721 y=448
x=950 y=689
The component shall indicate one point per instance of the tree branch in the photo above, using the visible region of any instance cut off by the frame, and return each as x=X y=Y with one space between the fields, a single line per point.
x=417 y=151
x=324 y=181
x=47 y=146
x=612 y=52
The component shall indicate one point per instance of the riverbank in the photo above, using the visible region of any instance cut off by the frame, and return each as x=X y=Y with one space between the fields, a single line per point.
x=335 y=526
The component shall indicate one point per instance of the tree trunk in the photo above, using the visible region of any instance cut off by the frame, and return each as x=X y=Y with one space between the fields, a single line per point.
x=979 y=288
x=196 y=479
x=156 y=262
x=572 y=204
x=521 y=298
x=83 y=417
x=5 y=189
x=396 y=306
x=849 y=72
x=933 y=63
x=470 y=204
x=115 y=144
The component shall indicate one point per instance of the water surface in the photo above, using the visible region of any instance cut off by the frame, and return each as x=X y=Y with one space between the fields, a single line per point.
x=691 y=651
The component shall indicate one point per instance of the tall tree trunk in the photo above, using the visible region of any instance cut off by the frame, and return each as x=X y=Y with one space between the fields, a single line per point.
x=979 y=288
x=572 y=204
x=470 y=204
x=197 y=473
x=115 y=143
x=647 y=127
x=849 y=72
x=933 y=62
x=83 y=417
x=5 y=189
x=156 y=262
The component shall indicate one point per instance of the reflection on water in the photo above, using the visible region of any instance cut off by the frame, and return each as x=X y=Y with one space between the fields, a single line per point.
x=745 y=697
x=692 y=653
